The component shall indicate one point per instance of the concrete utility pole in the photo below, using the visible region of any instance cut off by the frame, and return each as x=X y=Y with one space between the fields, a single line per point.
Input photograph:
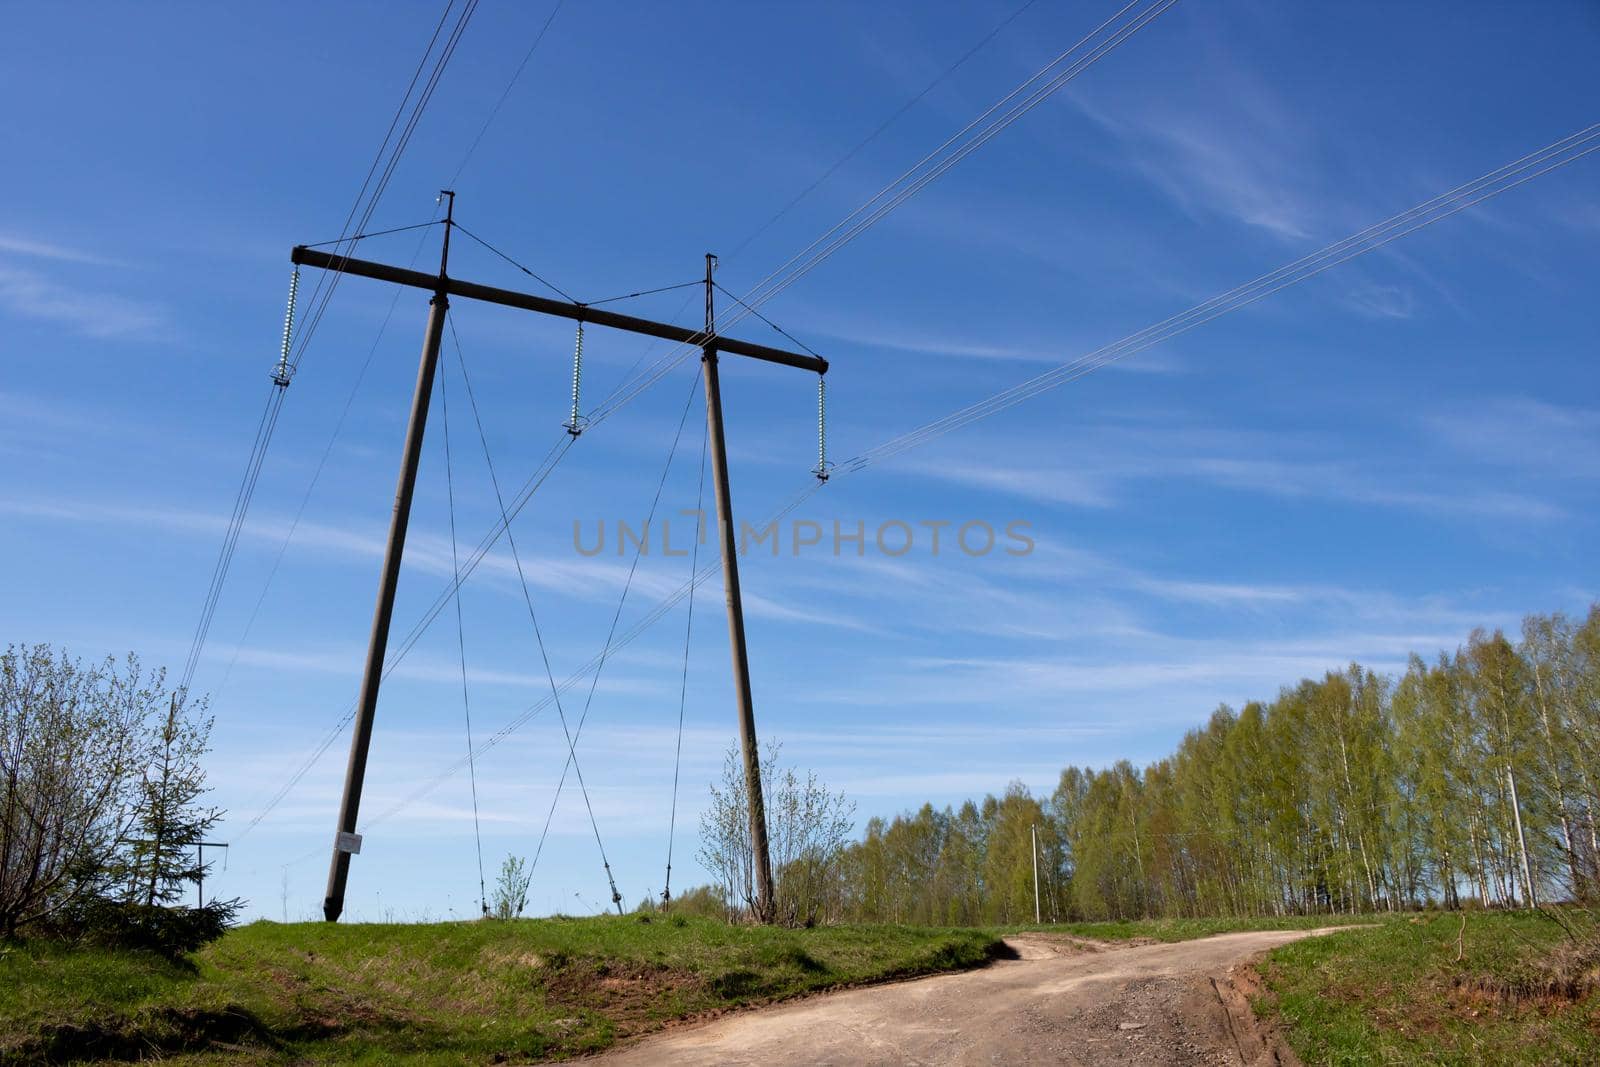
x=1033 y=832
x=765 y=902
x=346 y=841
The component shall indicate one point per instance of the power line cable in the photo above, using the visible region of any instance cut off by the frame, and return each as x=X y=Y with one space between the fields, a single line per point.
x=1115 y=31
x=642 y=292
x=766 y=320
x=1559 y=154
x=661 y=608
x=533 y=616
x=498 y=104
x=616 y=616
x=383 y=146
x=630 y=389
x=275 y=400
x=461 y=639
x=540 y=473
x=881 y=127
x=400 y=650
x=316 y=474
x=375 y=233
x=683 y=685
x=884 y=125
x=230 y=540
x=536 y=277
x=424 y=97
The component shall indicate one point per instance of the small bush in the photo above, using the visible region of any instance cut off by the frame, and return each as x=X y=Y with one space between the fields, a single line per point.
x=510 y=895
x=703 y=901
x=171 y=932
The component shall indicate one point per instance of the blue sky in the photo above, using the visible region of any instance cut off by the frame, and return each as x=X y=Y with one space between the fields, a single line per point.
x=1373 y=462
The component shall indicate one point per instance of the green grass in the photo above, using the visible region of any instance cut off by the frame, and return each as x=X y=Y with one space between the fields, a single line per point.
x=442 y=993
x=1523 y=992
x=448 y=993
x=1189 y=929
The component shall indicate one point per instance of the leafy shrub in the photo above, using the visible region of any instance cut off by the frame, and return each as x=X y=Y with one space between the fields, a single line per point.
x=703 y=901
x=171 y=932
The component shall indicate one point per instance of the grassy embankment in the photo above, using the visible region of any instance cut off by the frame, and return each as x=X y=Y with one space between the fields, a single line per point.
x=1521 y=992
x=441 y=993
x=1188 y=929
x=1524 y=990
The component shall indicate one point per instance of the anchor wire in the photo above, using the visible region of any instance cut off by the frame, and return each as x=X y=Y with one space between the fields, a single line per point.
x=461 y=640
x=616 y=616
x=683 y=685
x=533 y=616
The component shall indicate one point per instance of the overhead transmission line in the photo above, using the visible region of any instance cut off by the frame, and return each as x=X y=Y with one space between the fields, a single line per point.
x=879 y=129
x=1048 y=80
x=289 y=359
x=1542 y=161
x=355 y=387
x=1558 y=154
x=401 y=141
x=316 y=472
x=494 y=112
x=632 y=388
x=845 y=158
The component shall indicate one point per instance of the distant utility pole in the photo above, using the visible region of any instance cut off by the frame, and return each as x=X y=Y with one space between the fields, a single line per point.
x=155 y=859
x=200 y=867
x=1033 y=832
x=346 y=841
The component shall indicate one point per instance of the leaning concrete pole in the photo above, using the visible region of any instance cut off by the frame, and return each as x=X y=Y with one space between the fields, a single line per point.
x=765 y=903
x=346 y=841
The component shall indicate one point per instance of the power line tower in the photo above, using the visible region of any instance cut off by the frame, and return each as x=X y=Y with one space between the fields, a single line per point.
x=347 y=842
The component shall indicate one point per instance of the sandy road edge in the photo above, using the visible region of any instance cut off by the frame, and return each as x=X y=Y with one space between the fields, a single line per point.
x=1260 y=1040
x=1005 y=953
x=1215 y=999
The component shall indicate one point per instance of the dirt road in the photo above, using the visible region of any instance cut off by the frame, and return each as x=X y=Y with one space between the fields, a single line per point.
x=1061 y=1002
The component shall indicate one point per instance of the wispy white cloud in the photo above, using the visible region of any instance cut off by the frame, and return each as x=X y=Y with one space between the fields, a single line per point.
x=1339 y=481
x=933 y=338
x=425 y=551
x=26 y=294
x=27 y=246
x=1053 y=484
x=1245 y=159
x=1183 y=675
x=1554 y=440
x=417 y=668
x=1113 y=455
x=1382 y=301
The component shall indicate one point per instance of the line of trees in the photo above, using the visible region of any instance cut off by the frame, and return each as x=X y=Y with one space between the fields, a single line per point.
x=1473 y=779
